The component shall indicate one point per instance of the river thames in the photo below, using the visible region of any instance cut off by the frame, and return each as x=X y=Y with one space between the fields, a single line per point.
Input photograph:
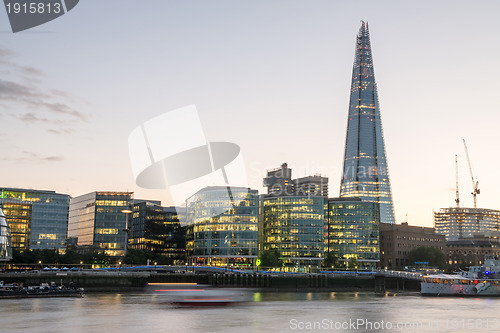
x=267 y=312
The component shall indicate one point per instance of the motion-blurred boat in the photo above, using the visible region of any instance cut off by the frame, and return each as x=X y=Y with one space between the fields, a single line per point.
x=194 y=295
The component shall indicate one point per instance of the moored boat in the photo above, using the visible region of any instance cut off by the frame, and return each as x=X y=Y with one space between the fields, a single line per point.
x=477 y=281
x=17 y=290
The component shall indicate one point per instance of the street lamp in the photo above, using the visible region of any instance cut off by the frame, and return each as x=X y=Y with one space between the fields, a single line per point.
x=127 y=212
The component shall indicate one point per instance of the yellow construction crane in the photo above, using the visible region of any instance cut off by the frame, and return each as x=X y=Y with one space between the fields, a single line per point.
x=475 y=183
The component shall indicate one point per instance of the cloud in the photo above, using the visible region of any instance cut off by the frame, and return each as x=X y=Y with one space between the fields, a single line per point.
x=31 y=71
x=26 y=93
x=62 y=108
x=60 y=131
x=52 y=158
x=30 y=117
x=28 y=156
x=13 y=91
x=6 y=53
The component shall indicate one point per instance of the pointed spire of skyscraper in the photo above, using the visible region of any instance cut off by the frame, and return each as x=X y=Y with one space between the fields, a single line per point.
x=365 y=173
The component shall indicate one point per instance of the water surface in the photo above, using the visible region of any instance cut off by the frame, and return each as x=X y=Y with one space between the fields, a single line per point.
x=270 y=312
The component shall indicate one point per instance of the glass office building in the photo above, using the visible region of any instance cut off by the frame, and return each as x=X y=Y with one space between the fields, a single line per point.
x=5 y=238
x=99 y=221
x=222 y=226
x=456 y=223
x=38 y=219
x=295 y=226
x=353 y=232
x=158 y=230
x=365 y=173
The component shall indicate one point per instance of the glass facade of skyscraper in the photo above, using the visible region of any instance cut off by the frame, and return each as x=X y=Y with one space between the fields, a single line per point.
x=456 y=223
x=365 y=173
x=19 y=215
x=98 y=220
x=295 y=226
x=5 y=238
x=222 y=226
x=38 y=219
x=158 y=230
x=353 y=232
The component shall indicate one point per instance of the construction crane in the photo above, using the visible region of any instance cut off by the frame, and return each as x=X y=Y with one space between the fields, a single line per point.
x=475 y=183
x=457 y=199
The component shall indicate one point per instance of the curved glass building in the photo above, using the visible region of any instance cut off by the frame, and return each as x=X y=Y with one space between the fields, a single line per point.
x=365 y=173
x=38 y=219
x=222 y=226
x=5 y=238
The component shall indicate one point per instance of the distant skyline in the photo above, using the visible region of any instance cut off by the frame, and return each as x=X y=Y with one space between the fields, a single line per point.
x=270 y=76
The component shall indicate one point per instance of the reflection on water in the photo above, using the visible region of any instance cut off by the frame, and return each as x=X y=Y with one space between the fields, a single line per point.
x=269 y=312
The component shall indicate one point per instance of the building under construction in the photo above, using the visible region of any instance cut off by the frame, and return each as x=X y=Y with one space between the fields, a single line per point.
x=458 y=222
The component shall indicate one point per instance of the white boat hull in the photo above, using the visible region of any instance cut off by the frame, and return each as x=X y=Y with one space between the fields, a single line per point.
x=439 y=289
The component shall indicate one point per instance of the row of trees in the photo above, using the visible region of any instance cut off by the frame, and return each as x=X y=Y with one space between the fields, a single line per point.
x=434 y=257
x=52 y=257
x=71 y=257
x=269 y=258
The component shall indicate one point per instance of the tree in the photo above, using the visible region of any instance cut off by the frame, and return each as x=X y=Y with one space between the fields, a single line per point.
x=71 y=257
x=100 y=258
x=353 y=263
x=137 y=257
x=270 y=258
x=331 y=260
x=435 y=257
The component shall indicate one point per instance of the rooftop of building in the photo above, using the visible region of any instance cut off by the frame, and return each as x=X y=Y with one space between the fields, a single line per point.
x=28 y=190
x=473 y=243
x=315 y=178
x=356 y=199
x=405 y=227
x=466 y=210
x=223 y=188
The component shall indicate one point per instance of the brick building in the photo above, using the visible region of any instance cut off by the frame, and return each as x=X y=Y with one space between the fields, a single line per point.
x=466 y=252
x=397 y=240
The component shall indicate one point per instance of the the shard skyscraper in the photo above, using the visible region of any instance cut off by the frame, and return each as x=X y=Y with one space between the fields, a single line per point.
x=366 y=174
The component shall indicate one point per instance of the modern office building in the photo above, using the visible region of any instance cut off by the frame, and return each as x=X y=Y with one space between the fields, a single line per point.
x=279 y=182
x=397 y=240
x=38 y=219
x=311 y=185
x=365 y=173
x=157 y=229
x=222 y=226
x=457 y=222
x=100 y=221
x=353 y=232
x=295 y=227
x=5 y=238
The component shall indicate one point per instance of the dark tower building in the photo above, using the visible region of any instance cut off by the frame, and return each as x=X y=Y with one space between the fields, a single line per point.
x=279 y=181
x=366 y=174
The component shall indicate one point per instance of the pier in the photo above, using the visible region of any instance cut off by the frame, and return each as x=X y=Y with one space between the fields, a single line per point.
x=128 y=279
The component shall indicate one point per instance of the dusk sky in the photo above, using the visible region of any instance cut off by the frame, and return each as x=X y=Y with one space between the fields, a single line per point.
x=270 y=76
